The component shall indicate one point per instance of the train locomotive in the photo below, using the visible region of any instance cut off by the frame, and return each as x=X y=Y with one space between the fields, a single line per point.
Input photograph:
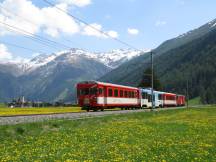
x=94 y=95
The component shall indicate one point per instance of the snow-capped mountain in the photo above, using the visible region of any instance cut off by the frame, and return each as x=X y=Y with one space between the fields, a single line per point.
x=111 y=59
x=54 y=77
x=200 y=30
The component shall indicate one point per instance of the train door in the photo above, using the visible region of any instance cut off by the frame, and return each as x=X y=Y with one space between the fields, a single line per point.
x=156 y=102
x=140 y=97
x=105 y=95
x=144 y=99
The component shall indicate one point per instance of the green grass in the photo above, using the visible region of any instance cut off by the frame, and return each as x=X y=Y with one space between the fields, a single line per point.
x=195 y=101
x=174 y=135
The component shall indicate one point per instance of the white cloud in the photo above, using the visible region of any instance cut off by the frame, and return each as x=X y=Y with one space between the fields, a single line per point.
x=24 y=9
x=133 y=31
x=5 y=55
x=56 y=22
x=79 y=3
x=112 y=34
x=160 y=23
x=47 y=19
x=33 y=19
x=91 y=31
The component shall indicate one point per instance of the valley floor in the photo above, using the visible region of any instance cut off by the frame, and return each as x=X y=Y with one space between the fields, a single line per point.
x=174 y=135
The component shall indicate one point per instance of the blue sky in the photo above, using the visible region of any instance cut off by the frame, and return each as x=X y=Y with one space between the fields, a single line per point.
x=149 y=22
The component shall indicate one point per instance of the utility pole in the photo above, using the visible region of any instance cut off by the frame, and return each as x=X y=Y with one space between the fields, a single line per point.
x=152 y=81
x=187 y=93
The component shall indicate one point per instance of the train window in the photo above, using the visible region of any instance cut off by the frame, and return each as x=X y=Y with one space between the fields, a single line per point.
x=144 y=95
x=121 y=93
x=85 y=91
x=116 y=92
x=125 y=93
x=100 y=91
x=110 y=92
x=78 y=92
x=149 y=98
x=132 y=94
x=160 y=96
x=93 y=91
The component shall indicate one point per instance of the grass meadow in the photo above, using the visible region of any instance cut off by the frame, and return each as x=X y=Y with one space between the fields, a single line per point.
x=173 y=135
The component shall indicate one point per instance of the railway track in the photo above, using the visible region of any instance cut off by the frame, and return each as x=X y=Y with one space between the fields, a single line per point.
x=18 y=119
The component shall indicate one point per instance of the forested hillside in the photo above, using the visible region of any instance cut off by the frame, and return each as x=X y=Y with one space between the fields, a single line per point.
x=195 y=62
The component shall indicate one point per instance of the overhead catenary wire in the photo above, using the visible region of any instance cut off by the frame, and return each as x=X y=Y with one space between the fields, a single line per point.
x=33 y=23
x=21 y=47
x=29 y=33
x=32 y=36
x=92 y=27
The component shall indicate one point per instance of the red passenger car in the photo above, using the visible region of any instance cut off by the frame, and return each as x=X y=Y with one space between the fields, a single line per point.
x=169 y=99
x=180 y=100
x=93 y=95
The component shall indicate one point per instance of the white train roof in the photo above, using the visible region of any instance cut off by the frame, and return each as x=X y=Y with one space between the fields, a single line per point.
x=160 y=92
x=108 y=84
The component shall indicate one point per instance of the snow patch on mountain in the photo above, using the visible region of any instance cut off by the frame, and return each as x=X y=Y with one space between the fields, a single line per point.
x=111 y=59
x=213 y=25
x=107 y=58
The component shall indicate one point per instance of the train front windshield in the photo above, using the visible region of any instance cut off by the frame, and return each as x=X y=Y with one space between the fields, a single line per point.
x=87 y=91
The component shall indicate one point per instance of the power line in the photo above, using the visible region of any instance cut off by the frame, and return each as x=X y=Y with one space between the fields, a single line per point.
x=37 y=37
x=87 y=24
x=28 y=36
x=18 y=46
x=27 y=20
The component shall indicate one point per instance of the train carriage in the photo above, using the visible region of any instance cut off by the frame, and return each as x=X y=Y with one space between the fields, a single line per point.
x=180 y=100
x=98 y=95
x=169 y=99
x=146 y=100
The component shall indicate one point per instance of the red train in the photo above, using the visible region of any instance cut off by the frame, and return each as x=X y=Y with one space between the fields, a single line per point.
x=93 y=95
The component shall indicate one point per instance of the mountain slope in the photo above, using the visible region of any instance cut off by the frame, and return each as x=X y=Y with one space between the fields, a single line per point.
x=194 y=62
x=186 y=37
x=58 y=77
x=8 y=86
